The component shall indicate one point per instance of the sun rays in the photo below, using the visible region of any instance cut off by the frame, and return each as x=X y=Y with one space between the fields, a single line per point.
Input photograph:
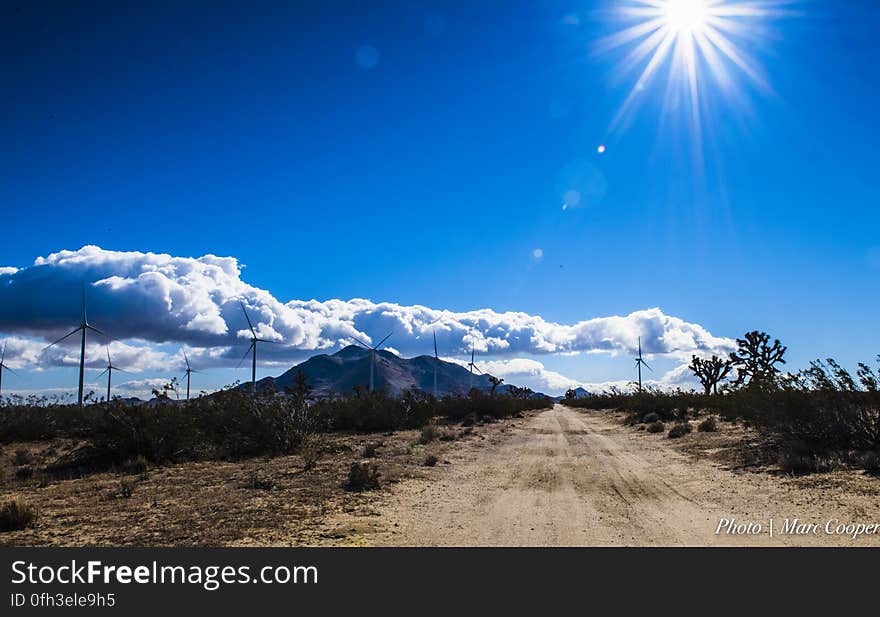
x=696 y=41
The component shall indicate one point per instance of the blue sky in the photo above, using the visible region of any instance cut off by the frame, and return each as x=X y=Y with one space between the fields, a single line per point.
x=419 y=152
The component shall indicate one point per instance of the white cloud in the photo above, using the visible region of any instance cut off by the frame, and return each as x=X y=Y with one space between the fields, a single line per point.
x=149 y=300
x=533 y=374
x=530 y=373
x=7 y=270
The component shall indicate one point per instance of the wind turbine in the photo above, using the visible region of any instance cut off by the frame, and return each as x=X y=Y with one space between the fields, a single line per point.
x=109 y=370
x=472 y=367
x=640 y=362
x=372 y=349
x=253 y=347
x=3 y=366
x=84 y=327
x=190 y=370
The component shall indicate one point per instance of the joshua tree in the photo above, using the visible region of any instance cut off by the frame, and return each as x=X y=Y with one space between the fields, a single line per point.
x=756 y=359
x=300 y=390
x=710 y=372
x=570 y=394
x=495 y=381
x=522 y=393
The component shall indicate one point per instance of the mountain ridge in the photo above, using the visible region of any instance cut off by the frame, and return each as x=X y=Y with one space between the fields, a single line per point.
x=339 y=373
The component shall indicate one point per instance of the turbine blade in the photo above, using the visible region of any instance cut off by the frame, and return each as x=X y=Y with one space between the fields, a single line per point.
x=6 y=368
x=3 y=355
x=71 y=333
x=478 y=369
x=647 y=367
x=251 y=346
x=94 y=329
x=186 y=360
x=361 y=343
x=246 y=316
x=379 y=344
x=436 y=357
x=104 y=372
x=83 y=286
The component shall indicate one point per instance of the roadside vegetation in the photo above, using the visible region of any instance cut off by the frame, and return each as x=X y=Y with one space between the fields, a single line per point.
x=234 y=424
x=817 y=419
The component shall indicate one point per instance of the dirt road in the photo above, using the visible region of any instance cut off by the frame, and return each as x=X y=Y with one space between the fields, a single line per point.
x=569 y=478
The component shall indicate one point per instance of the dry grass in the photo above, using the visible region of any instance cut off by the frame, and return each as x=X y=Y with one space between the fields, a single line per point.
x=16 y=514
x=208 y=503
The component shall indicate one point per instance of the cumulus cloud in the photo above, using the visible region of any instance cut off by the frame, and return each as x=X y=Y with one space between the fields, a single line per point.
x=150 y=299
x=528 y=372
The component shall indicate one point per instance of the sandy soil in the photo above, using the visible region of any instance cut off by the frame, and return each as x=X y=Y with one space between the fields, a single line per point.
x=565 y=477
x=559 y=477
x=253 y=502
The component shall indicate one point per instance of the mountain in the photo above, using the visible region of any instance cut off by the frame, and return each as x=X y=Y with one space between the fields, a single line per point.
x=350 y=367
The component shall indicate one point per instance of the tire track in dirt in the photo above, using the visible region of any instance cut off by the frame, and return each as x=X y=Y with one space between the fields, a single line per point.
x=570 y=478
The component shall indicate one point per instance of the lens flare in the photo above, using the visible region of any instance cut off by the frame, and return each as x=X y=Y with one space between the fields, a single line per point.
x=693 y=39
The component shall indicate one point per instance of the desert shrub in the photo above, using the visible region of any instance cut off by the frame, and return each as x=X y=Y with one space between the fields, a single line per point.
x=136 y=466
x=24 y=473
x=230 y=424
x=656 y=427
x=21 y=457
x=680 y=429
x=709 y=425
x=363 y=476
x=125 y=490
x=649 y=405
x=371 y=450
x=870 y=462
x=429 y=433
x=430 y=460
x=16 y=514
x=257 y=482
x=802 y=463
x=311 y=450
x=156 y=433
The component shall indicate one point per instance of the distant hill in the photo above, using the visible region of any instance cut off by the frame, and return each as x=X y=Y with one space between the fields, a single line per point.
x=349 y=367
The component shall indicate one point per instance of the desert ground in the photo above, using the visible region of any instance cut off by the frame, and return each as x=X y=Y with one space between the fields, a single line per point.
x=557 y=477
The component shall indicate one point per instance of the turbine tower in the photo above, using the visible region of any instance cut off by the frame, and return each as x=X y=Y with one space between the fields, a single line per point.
x=253 y=347
x=436 y=363
x=83 y=327
x=109 y=370
x=472 y=367
x=3 y=366
x=640 y=362
x=189 y=371
x=372 y=349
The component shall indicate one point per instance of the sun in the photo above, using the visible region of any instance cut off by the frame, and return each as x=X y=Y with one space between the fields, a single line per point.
x=685 y=16
x=690 y=40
